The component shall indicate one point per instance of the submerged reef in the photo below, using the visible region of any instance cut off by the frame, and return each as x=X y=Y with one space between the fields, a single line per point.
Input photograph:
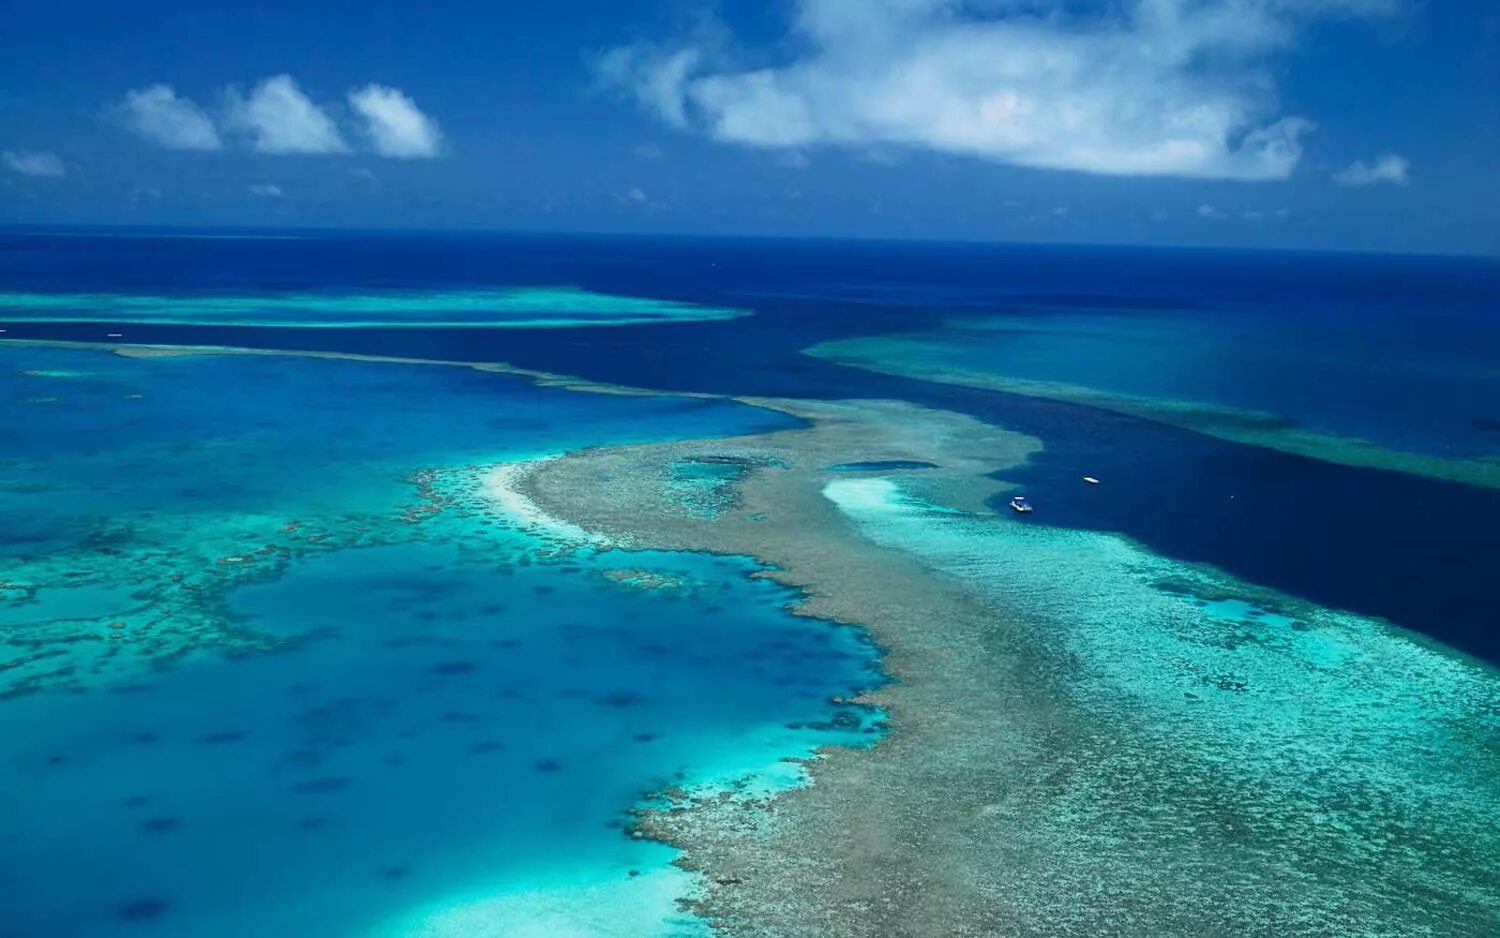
x=925 y=360
x=1084 y=738
x=141 y=502
x=318 y=624
x=491 y=308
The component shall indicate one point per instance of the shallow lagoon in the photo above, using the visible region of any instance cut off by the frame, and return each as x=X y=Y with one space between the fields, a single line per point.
x=447 y=733
x=407 y=713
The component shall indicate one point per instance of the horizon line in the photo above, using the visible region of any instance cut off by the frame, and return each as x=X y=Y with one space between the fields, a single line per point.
x=271 y=232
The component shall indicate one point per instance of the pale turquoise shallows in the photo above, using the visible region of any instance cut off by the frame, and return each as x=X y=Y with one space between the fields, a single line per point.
x=490 y=308
x=276 y=657
x=1215 y=745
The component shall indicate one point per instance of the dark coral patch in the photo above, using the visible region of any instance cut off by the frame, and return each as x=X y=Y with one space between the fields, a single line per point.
x=160 y=825
x=548 y=766
x=303 y=758
x=222 y=737
x=322 y=786
x=449 y=668
x=620 y=699
x=338 y=721
x=143 y=910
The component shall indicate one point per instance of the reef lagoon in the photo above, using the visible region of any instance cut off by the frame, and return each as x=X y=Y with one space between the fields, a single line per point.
x=373 y=584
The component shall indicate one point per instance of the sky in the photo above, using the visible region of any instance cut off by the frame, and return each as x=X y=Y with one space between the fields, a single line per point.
x=1322 y=124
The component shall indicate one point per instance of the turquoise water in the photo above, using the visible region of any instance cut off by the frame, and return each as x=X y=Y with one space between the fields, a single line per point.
x=248 y=691
x=493 y=308
x=192 y=551
x=1215 y=745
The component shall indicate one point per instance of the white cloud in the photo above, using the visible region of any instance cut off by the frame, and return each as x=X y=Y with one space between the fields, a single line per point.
x=266 y=190
x=1391 y=168
x=1147 y=87
x=636 y=197
x=159 y=115
x=657 y=80
x=34 y=163
x=648 y=151
x=279 y=118
x=1211 y=212
x=394 y=123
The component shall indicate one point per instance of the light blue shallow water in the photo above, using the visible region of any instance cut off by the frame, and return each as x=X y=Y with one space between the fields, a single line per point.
x=1248 y=762
x=263 y=680
x=450 y=731
x=489 y=308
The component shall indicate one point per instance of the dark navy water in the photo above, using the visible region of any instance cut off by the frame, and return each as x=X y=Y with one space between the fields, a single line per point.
x=1419 y=551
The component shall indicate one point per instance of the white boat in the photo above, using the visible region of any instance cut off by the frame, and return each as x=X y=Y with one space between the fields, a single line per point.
x=1020 y=504
x=1091 y=480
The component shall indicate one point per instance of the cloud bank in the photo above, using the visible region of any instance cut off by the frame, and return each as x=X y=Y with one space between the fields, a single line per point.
x=277 y=117
x=33 y=163
x=1391 y=168
x=159 y=115
x=1143 y=87
x=395 y=125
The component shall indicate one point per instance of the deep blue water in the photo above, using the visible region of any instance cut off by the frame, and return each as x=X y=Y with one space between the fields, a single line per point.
x=1419 y=384
x=1415 y=550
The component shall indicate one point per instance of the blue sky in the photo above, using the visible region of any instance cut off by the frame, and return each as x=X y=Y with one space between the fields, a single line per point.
x=1358 y=124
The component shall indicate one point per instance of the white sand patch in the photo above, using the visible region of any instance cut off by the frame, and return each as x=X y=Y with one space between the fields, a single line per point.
x=501 y=486
x=565 y=907
x=857 y=496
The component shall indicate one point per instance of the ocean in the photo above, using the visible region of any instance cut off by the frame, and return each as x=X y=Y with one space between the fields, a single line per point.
x=280 y=652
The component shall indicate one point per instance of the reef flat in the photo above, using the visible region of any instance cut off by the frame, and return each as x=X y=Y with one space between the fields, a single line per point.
x=1084 y=738
x=494 y=308
x=926 y=360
